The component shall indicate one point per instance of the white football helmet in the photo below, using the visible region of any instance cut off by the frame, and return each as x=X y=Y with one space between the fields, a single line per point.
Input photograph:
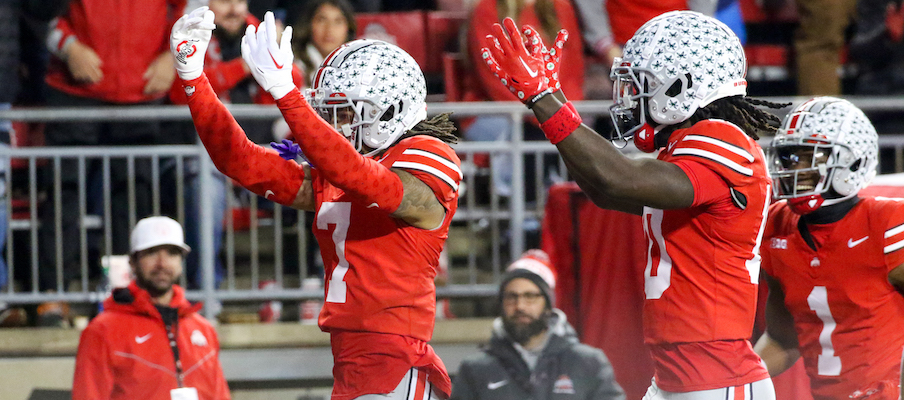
x=674 y=64
x=825 y=143
x=371 y=91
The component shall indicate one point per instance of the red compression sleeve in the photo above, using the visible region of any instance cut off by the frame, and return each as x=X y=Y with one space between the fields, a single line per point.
x=337 y=160
x=257 y=169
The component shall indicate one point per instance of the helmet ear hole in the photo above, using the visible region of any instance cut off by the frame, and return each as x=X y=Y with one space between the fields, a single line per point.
x=856 y=165
x=389 y=114
x=675 y=89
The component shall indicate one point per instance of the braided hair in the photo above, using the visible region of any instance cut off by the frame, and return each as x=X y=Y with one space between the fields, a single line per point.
x=742 y=111
x=439 y=126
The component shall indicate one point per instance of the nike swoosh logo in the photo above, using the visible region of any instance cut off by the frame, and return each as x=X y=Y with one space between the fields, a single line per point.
x=852 y=242
x=274 y=60
x=142 y=339
x=496 y=385
x=372 y=205
x=268 y=193
x=532 y=73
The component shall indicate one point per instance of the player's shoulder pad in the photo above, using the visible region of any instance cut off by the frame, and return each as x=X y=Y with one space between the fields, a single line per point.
x=426 y=154
x=720 y=145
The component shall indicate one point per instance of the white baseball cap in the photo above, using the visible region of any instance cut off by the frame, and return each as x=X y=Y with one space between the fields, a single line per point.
x=157 y=231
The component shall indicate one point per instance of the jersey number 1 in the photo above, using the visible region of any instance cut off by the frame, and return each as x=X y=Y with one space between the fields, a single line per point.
x=339 y=214
x=829 y=364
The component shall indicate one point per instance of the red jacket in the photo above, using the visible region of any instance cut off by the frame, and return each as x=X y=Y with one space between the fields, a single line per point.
x=124 y=353
x=126 y=35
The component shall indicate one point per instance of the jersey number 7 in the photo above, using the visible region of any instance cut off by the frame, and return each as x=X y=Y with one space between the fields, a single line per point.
x=339 y=214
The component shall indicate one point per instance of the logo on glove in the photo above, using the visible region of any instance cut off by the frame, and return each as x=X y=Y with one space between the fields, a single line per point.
x=184 y=51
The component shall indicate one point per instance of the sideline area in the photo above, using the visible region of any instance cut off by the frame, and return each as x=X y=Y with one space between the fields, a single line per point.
x=257 y=359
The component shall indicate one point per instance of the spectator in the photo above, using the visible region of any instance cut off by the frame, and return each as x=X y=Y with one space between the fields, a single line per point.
x=384 y=192
x=681 y=89
x=880 y=30
x=128 y=350
x=88 y=69
x=818 y=41
x=550 y=16
x=832 y=258
x=534 y=352
x=17 y=18
x=323 y=26
x=608 y=24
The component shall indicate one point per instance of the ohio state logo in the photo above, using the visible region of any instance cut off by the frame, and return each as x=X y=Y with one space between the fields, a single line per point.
x=185 y=50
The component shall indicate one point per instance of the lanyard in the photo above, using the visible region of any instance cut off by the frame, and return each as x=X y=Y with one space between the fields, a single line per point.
x=171 y=322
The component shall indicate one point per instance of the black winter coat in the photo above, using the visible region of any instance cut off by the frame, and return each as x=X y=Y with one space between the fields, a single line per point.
x=566 y=369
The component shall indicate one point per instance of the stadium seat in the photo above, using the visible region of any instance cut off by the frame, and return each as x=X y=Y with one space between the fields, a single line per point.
x=753 y=13
x=443 y=32
x=404 y=29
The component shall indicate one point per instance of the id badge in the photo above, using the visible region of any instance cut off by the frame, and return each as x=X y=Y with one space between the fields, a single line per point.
x=186 y=393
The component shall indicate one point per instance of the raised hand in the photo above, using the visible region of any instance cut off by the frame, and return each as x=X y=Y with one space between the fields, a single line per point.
x=550 y=56
x=189 y=40
x=270 y=63
x=522 y=72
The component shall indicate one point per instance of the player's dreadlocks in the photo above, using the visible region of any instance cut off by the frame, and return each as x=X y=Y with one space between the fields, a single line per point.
x=440 y=127
x=742 y=111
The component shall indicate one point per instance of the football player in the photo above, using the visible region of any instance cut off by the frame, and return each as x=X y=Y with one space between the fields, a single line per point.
x=679 y=89
x=382 y=181
x=833 y=258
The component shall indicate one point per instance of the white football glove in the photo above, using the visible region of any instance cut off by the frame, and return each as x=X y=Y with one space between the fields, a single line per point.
x=271 y=64
x=189 y=40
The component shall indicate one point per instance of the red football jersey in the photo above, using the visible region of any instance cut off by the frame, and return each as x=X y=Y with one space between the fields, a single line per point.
x=702 y=262
x=849 y=318
x=379 y=270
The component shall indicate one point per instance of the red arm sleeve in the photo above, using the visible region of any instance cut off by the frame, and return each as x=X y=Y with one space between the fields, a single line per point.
x=93 y=378
x=336 y=159
x=257 y=169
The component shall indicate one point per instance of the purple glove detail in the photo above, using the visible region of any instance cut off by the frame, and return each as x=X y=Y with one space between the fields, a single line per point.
x=288 y=150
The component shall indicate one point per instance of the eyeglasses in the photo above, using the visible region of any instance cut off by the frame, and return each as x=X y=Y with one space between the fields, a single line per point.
x=529 y=297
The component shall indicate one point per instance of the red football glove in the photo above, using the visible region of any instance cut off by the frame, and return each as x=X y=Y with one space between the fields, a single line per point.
x=550 y=57
x=521 y=72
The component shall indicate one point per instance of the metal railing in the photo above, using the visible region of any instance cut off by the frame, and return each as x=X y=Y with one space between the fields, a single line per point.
x=489 y=229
